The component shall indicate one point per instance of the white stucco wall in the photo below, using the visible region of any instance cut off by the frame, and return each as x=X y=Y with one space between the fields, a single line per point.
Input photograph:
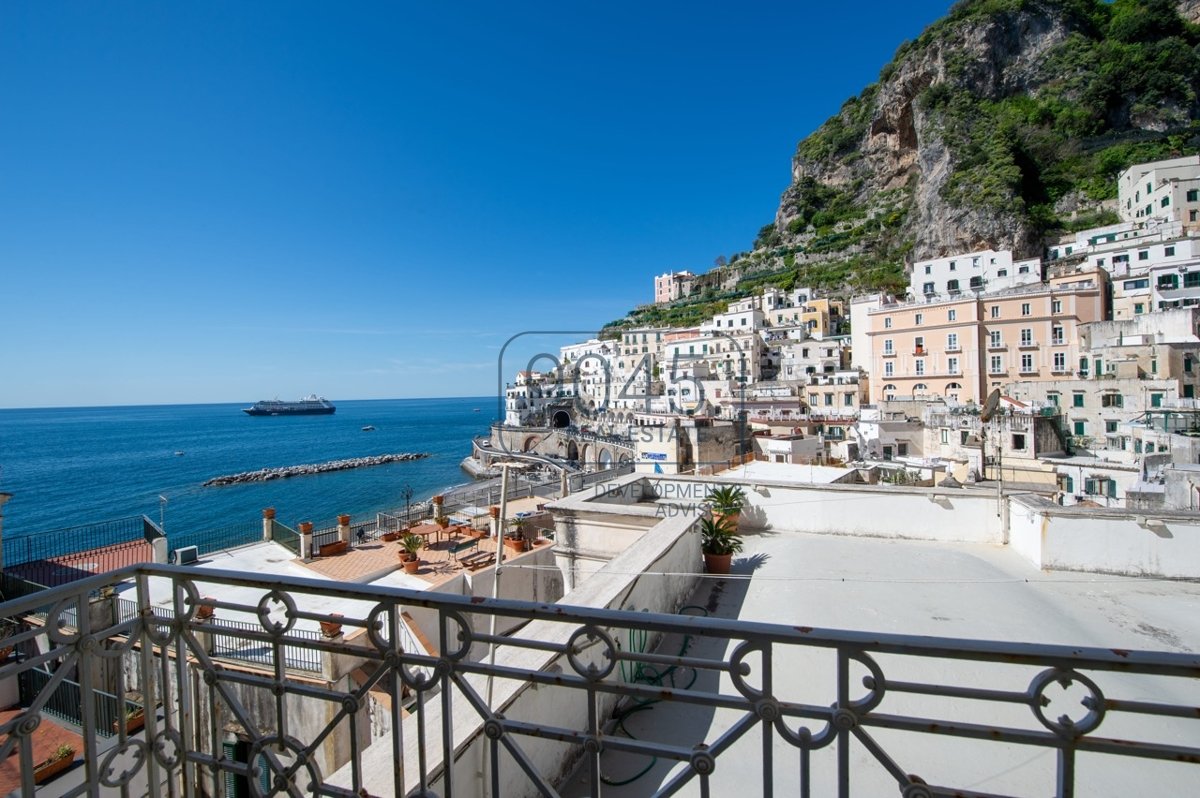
x=1062 y=539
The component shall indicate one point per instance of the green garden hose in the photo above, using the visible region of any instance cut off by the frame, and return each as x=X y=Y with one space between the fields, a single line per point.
x=642 y=673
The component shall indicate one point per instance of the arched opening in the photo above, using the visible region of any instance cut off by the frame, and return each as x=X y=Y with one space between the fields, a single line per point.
x=572 y=451
x=530 y=443
x=605 y=458
x=889 y=391
x=586 y=454
x=561 y=420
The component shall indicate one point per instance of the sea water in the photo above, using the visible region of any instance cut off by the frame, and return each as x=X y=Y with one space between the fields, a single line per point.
x=71 y=466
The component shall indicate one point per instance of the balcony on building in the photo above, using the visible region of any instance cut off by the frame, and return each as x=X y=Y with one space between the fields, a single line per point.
x=794 y=675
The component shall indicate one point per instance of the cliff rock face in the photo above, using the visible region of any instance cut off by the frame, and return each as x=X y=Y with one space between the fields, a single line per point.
x=915 y=143
x=1002 y=125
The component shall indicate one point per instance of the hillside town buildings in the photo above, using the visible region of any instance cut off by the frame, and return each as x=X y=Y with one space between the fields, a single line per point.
x=1093 y=349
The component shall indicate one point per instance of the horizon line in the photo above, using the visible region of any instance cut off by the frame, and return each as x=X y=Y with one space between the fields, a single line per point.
x=201 y=404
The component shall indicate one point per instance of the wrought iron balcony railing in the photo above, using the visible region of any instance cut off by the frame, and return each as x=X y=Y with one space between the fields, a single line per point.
x=531 y=688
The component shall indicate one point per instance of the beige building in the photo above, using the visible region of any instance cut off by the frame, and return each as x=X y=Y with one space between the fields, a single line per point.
x=962 y=348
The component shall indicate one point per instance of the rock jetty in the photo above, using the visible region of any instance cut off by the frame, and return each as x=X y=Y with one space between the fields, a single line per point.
x=268 y=474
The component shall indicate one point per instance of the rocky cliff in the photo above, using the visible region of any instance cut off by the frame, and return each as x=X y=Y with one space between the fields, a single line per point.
x=1003 y=124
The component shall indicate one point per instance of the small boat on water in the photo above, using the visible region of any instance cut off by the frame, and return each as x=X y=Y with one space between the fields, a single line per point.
x=368 y=428
x=311 y=405
x=476 y=410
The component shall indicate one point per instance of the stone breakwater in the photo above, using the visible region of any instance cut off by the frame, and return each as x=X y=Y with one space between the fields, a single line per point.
x=267 y=474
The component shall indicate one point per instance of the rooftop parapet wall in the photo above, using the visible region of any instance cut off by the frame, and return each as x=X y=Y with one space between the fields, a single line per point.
x=1106 y=541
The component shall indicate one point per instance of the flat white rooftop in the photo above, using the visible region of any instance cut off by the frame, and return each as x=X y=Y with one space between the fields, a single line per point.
x=793 y=473
x=925 y=589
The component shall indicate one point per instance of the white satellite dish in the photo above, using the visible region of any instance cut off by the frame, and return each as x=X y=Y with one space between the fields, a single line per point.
x=990 y=405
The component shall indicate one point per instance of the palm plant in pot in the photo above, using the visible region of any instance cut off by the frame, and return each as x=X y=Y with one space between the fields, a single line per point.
x=719 y=541
x=727 y=502
x=411 y=544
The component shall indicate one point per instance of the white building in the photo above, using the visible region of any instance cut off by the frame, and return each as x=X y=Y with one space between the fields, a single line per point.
x=977 y=272
x=1167 y=190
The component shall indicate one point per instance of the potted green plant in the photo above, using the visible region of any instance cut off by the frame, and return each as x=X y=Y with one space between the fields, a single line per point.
x=727 y=502
x=56 y=763
x=135 y=719
x=719 y=541
x=516 y=538
x=411 y=544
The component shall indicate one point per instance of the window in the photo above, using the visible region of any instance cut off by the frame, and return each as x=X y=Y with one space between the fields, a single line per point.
x=952 y=365
x=1168 y=251
x=1187 y=363
x=951 y=265
x=976 y=283
x=828 y=400
x=1139 y=308
x=1052 y=397
x=887 y=323
x=1026 y=364
x=1060 y=361
x=952 y=286
x=952 y=342
x=1192 y=216
x=1077 y=399
x=1110 y=426
x=952 y=315
x=1120 y=259
x=901 y=449
x=1002 y=272
x=848 y=400
x=1149 y=188
x=1156 y=400
x=1056 y=306
x=1133 y=285
x=1164 y=202
x=1026 y=336
x=945 y=436
x=1191 y=280
x=1068 y=484
x=743 y=321
x=920 y=318
x=996 y=367
x=1143 y=254
x=888 y=368
x=1081 y=428
x=1112 y=400
x=1193 y=195
x=1026 y=309
x=919 y=344
x=927 y=289
x=994 y=339
x=919 y=364
x=1168 y=282
x=1024 y=269
x=995 y=311
x=928 y=269
x=1018 y=441
x=1056 y=335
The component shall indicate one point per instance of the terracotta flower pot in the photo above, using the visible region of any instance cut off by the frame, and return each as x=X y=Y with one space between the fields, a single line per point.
x=390 y=537
x=205 y=610
x=50 y=769
x=717 y=563
x=407 y=556
x=343 y=520
x=412 y=566
x=332 y=627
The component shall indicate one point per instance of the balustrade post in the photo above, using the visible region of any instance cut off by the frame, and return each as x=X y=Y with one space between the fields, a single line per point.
x=268 y=515
x=343 y=528
x=306 y=552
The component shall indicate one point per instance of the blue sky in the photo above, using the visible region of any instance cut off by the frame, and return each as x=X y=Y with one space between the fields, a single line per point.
x=231 y=201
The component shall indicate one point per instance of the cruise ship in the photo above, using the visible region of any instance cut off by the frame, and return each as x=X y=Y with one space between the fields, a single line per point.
x=312 y=405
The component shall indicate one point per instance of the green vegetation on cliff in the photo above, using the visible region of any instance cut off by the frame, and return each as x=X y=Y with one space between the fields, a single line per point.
x=1030 y=107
